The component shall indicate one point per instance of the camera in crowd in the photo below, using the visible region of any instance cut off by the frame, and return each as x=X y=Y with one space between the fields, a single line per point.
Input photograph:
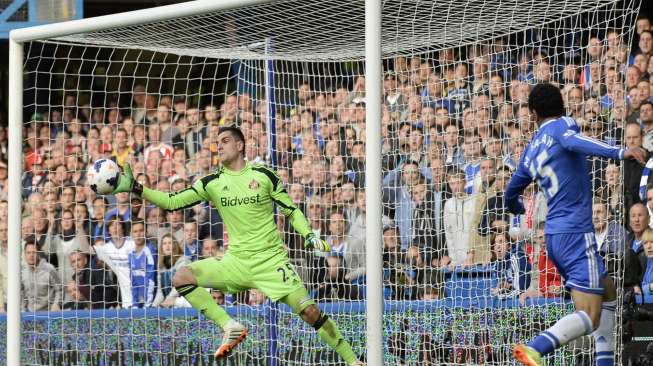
x=633 y=312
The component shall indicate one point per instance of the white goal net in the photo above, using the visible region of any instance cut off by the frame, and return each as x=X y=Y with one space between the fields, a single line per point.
x=463 y=279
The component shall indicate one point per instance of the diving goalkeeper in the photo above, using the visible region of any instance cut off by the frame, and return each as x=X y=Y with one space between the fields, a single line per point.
x=243 y=194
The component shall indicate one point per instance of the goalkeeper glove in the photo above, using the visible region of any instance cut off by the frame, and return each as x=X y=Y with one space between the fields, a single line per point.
x=312 y=241
x=126 y=182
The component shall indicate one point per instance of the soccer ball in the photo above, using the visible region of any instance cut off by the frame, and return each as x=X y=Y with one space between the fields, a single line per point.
x=102 y=176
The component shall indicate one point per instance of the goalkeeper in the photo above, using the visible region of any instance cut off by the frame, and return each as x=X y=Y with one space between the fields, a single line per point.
x=243 y=194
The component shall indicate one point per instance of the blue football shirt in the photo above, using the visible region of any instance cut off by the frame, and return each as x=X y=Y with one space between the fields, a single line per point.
x=556 y=158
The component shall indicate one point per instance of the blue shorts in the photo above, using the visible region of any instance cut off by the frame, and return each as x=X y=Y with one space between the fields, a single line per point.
x=578 y=260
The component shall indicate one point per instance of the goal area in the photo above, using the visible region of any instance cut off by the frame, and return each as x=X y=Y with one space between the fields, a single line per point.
x=394 y=126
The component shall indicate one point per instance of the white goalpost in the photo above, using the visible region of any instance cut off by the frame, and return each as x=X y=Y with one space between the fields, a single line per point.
x=394 y=126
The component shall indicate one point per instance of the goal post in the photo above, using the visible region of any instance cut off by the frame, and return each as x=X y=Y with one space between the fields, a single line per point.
x=15 y=201
x=373 y=184
x=371 y=112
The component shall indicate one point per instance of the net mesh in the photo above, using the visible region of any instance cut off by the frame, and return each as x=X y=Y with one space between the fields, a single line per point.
x=463 y=279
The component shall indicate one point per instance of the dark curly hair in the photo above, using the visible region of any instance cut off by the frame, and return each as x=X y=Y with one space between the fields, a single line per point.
x=546 y=101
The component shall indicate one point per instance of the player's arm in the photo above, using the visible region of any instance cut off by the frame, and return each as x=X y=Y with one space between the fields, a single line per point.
x=168 y=201
x=571 y=139
x=293 y=213
x=519 y=181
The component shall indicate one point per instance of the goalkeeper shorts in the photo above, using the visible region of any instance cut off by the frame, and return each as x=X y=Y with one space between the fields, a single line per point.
x=271 y=273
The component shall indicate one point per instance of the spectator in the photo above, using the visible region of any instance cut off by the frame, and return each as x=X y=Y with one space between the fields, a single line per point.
x=424 y=237
x=123 y=209
x=472 y=154
x=156 y=146
x=495 y=209
x=453 y=154
x=350 y=253
x=432 y=93
x=210 y=248
x=458 y=215
x=41 y=285
x=199 y=130
x=171 y=258
x=97 y=219
x=647 y=269
x=331 y=283
x=154 y=224
x=635 y=258
x=76 y=301
x=550 y=281
x=649 y=202
x=610 y=236
x=460 y=92
x=632 y=170
x=175 y=224
x=357 y=229
x=392 y=261
x=349 y=202
x=397 y=200
x=438 y=191
x=611 y=193
x=115 y=254
x=96 y=285
x=646 y=43
x=634 y=101
x=643 y=23
x=70 y=238
x=511 y=265
x=168 y=128
x=516 y=147
x=44 y=232
x=479 y=251
x=121 y=150
x=646 y=120
x=142 y=268
x=191 y=244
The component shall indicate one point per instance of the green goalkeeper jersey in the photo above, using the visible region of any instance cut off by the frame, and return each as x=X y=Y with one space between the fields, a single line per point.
x=244 y=200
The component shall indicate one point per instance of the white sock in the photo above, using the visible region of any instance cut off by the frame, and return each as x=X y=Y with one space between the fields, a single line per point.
x=604 y=335
x=563 y=331
x=571 y=327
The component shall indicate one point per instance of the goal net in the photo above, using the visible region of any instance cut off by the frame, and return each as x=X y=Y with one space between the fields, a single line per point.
x=463 y=280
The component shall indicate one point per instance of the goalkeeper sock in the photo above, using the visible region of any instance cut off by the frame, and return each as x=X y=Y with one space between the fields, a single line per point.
x=204 y=303
x=604 y=336
x=563 y=331
x=329 y=333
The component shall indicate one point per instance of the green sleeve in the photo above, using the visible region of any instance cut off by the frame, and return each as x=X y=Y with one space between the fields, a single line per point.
x=176 y=200
x=299 y=222
x=288 y=207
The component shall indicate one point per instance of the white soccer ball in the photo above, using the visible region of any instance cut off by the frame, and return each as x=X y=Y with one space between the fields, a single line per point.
x=102 y=176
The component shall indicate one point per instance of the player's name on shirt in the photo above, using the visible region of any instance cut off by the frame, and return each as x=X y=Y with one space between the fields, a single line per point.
x=544 y=139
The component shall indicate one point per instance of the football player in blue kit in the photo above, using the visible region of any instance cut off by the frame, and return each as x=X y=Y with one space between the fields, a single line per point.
x=556 y=158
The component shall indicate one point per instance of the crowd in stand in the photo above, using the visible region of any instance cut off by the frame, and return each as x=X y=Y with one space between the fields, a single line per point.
x=454 y=125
